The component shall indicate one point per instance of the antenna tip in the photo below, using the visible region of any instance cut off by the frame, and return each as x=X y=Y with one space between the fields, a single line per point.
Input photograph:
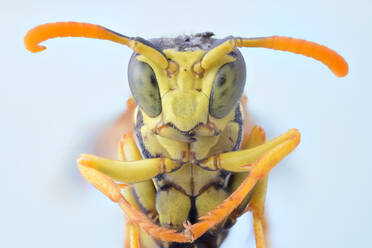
x=342 y=71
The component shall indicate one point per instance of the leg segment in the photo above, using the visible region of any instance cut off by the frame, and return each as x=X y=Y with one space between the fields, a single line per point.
x=126 y=235
x=255 y=138
x=242 y=161
x=113 y=191
x=267 y=157
x=257 y=205
x=107 y=186
x=128 y=151
x=257 y=201
x=142 y=195
x=129 y=172
x=259 y=169
x=257 y=196
x=132 y=239
x=102 y=182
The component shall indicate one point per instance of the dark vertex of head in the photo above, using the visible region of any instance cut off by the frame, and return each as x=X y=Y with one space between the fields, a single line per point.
x=198 y=41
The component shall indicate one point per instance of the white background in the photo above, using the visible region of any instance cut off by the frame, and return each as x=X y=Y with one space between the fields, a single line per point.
x=54 y=104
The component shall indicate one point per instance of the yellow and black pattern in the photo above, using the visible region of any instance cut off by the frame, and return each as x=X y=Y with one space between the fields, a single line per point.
x=192 y=180
x=191 y=191
x=189 y=130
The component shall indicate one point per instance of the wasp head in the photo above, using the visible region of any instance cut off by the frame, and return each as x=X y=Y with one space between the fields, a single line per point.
x=188 y=101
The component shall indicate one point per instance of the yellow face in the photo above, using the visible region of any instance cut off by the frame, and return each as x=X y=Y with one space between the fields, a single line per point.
x=185 y=113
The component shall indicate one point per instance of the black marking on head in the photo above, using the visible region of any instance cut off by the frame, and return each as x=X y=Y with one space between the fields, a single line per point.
x=220 y=41
x=150 y=44
x=118 y=34
x=238 y=119
x=190 y=133
x=137 y=129
x=199 y=41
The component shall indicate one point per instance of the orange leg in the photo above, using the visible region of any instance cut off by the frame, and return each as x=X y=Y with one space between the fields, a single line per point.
x=145 y=191
x=257 y=205
x=114 y=191
x=260 y=168
x=273 y=153
x=265 y=227
x=132 y=238
x=127 y=233
x=257 y=202
x=255 y=138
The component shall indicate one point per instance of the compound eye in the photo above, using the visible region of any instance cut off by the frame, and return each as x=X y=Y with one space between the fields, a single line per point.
x=144 y=87
x=227 y=89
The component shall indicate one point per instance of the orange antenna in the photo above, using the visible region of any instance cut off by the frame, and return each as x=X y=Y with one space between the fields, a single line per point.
x=335 y=62
x=76 y=29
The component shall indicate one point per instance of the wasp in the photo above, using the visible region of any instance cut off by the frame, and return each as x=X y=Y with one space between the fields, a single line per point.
x=191 y=166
